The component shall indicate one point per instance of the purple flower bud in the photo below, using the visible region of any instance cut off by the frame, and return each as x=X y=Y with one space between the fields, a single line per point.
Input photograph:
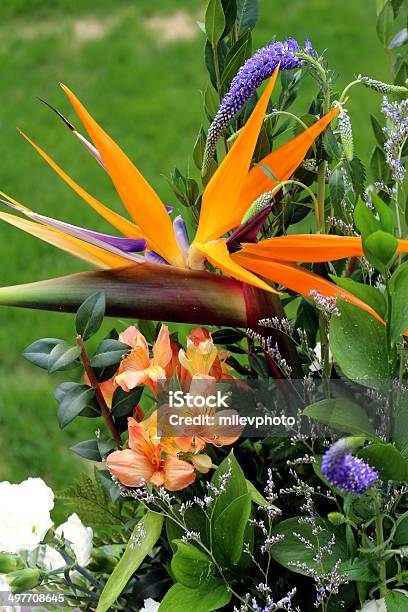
x=346 y=472
x=250 y=76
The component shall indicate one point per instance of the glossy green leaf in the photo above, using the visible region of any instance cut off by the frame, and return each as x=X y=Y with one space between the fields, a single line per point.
x=340 y=414
x=73 y=403
x=336 y=186
x=190 y=565
x=377 y=129
x=387 y=460
x=237 y=55
x=230 y=13
x=109 y=353
x=380 y=248
x=199 y=148
x=364 y=219
x=385 y=22
x=123 y=402
x=378 y=164
x=361 y=570
x=368 y=294
x=357 y=175
x=247 y=15
x=214 y=21
x=291 y=550
x=62 y=357
x=212 y=595
x=401 y=533
x=227 y=549
x=90 y=315
x=399 y=314
x=147 y=531
x=38 y=352
x=384 y=212
x=88 y=449
x=365 y=362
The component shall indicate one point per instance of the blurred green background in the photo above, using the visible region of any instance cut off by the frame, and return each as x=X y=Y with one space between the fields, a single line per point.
x=138 y=66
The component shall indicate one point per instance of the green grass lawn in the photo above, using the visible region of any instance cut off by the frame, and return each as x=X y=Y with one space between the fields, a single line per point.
x=146 y=93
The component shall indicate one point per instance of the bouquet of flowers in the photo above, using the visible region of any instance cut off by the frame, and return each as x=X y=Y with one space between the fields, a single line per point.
x=251 y=454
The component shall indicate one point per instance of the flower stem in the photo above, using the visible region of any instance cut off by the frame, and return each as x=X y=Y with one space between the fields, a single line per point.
x=382 y=572
x=98 y=393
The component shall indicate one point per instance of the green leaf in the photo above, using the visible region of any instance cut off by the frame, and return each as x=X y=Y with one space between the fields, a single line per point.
x=385 y=22
x=124 y=402
x=73 y=403
x=214 y=21
x=384 y=212
x=380 y=248
x=227 y=336
x=401 y=533
x=233 y=506
x=147 y=532
x=331 y=146
x=247 y=15
x=291 y=550
x=62 y=357
x=212 y=595
x=230 y=13
x=336 y=186
x=396 y=5
x=256 y=496
x=365 y=362
x=236 y=56
x=378 y=164
x=90 y=315
x=357 y=175
x=227 y=549
x=396 y=601
x=211 y=101
x=368 y=294
x=199 y=148
x=340 y=414
x=88 y=450
x=377 y=129
x=364 y=219
x=190 y=565
x=387 y=460
x=359 y=570
x=109 y=353
x=38 y=352
x=399 y=314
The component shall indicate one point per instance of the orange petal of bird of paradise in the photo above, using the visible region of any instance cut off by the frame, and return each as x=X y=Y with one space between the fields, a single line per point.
x=140 y=199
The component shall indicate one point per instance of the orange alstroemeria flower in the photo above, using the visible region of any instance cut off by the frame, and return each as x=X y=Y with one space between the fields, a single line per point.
x=234 y=186
x=145 y=462
x=138 y=368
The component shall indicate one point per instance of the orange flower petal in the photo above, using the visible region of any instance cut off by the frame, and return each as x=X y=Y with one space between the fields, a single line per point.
x=282 y=162
x=307 y=248
x=125 y=226
x=87 y=252
x=131 y=467
x=297 y=279
x=221 y=194
x=178 y=474
x=142 y=202
x=217 y=254
x=162 y=352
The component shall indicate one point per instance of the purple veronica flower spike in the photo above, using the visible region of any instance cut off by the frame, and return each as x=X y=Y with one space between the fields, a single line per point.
x=346 y=472
x=254 y=71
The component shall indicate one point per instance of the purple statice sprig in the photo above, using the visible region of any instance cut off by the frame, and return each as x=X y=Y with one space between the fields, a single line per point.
x=345 y=471
x=249 y=77
x=396 y=132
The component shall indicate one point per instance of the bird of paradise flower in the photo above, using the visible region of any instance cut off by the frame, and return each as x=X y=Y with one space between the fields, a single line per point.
x=234 y=186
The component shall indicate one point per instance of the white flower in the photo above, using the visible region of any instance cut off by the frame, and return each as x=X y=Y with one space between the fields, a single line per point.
x=49 y=559
x=24 y=514
x=4 y=589
x=378 y=605
x=79 y=537
x=149 y=605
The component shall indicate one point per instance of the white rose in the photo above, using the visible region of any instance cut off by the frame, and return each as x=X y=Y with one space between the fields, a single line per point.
x=378 y=605
x=149 y=605
x=24 y=514
x=79 y=537
x=5 y=588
